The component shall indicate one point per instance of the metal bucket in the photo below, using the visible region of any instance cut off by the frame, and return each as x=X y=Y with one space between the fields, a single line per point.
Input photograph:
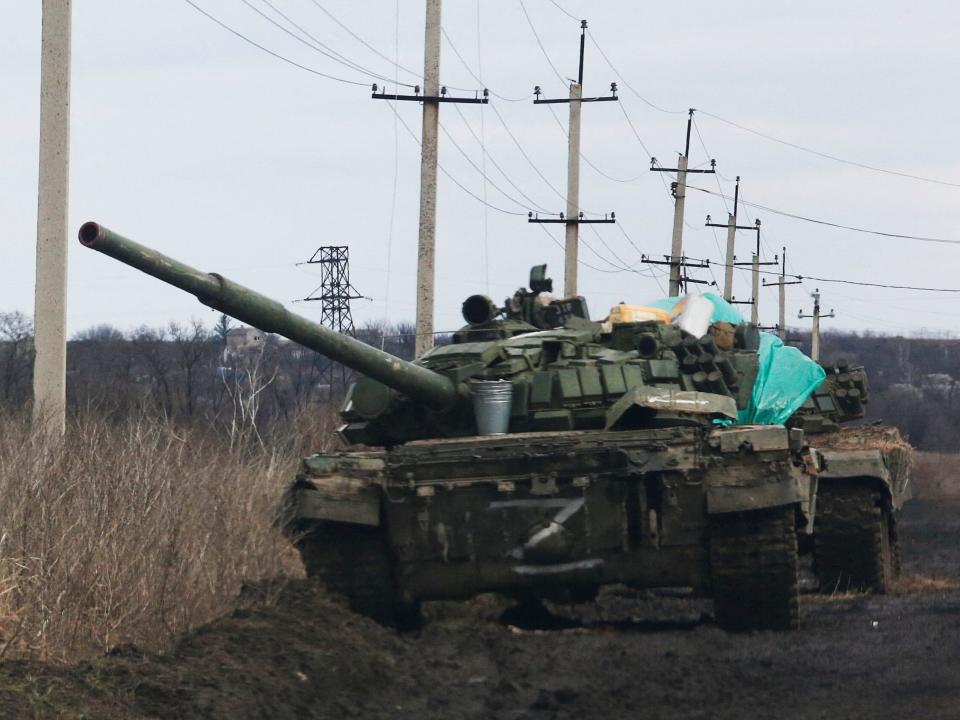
x=492 y=400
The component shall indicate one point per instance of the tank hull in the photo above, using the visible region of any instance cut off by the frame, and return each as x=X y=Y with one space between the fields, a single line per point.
x=552 y=515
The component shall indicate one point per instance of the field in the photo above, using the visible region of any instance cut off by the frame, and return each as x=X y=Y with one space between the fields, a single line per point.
x=108 y=556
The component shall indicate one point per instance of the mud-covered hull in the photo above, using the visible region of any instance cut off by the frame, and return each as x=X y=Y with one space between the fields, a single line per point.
x=553 y=513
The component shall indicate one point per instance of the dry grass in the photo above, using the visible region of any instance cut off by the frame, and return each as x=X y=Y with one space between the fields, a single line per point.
x=864 y=437
x=905 y=585
x=923 y=583
x=935 y=475
x=898 y=452
x=837 y=596
x=132 y=533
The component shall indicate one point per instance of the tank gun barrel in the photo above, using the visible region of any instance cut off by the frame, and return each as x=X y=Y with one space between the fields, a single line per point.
x=216 y=291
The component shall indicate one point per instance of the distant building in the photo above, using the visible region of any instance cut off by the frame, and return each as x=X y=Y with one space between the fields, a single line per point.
x=243 y=341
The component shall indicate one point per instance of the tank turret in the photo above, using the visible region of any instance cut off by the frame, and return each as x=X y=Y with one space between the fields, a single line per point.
x=565 y=371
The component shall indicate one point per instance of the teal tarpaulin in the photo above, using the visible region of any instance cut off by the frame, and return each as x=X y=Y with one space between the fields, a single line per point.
x=785 y=376
x=785 y=379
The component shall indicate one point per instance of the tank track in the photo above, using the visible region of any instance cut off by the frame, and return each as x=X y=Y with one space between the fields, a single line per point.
x=753 y=559
x=856 y=544
x=353 y=561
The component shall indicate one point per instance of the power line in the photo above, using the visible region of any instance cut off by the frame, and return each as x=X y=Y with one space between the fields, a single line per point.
x=477 y=77
x=587 y=160
x=829 y=156
x=277 y=55
x=449 y=176
x=876 y=285
x=480 y=171
x=533 y=164
x=623 y=267
x=474 y=75
x=512 y=136
x=839 y=226
x=772 y=138
x=350 y=82
x=490 y=157
x=707 y=153
x=367 y=45
x=540 y=44
x=635 y=133
x=314 y=43
x=632 y=243
x=568 y=14
x=627 y=84
x=524 y=153
x=396 y=163
x=615 y=269
x=483 y=158
x=859 y=283
x=623 y=263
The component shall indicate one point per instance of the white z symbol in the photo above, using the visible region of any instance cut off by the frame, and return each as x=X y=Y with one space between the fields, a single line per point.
x=568 y=508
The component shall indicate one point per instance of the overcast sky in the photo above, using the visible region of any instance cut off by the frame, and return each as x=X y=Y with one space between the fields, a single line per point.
x=188 y=139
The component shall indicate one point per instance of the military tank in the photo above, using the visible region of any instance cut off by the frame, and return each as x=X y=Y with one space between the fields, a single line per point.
x=619 y=460
x=862 y=486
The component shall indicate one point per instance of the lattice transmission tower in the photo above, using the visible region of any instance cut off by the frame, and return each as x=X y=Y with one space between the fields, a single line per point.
x=334 y=294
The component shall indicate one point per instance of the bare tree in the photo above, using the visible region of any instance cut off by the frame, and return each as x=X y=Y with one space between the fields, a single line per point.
x=246 y=382
x=150 y=345
x=16 y=356
x=193 y=346
x=99 y=333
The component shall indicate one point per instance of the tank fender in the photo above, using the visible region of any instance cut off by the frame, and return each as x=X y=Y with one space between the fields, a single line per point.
x=757 y=468
x=338 y=499
x=345 y=489
x=867 y=466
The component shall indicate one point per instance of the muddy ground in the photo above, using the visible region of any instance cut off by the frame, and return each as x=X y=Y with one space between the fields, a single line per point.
x=292 y=652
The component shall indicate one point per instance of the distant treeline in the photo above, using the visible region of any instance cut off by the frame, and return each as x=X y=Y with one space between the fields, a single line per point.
x=914 y=382
x=219 y=374
x=189 y=372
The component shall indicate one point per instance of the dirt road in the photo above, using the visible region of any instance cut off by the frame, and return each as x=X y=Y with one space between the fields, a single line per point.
x=295 y=653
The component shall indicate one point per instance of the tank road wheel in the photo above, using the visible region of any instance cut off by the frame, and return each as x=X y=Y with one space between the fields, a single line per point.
x=855 y=540
x=354 y=561
x=753 y=561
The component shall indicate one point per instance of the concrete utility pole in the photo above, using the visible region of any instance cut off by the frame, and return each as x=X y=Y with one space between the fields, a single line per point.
x=573 y=217
x=782 y=319
x=676 y=242
x=676 y=260
x=782 y=293
x=755 y=308
x=571 y=247
x=428 y=180
x=50 y=304
x=731 y=258
x=431 y=98
x=815 y=335
x=731 y=255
